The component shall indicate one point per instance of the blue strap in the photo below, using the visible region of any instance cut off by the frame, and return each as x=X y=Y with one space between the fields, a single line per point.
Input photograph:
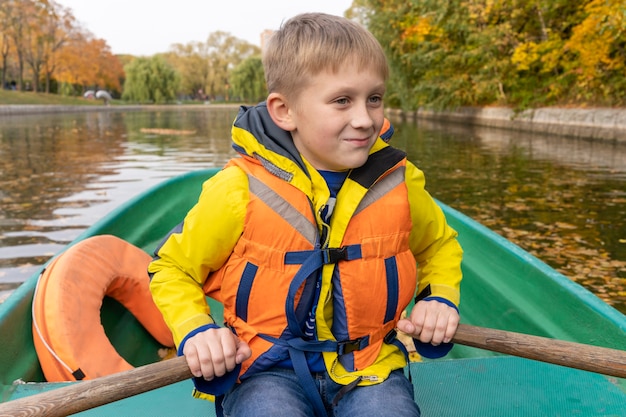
x=244 y=290
x=301 y=368
x=341 y=348
x=330 y=255
x=312 y=261
x=307 y=271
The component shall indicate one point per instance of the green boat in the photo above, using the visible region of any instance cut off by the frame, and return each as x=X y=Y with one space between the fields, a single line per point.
x=504 y=288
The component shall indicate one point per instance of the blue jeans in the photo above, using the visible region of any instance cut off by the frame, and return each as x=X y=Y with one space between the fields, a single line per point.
x=277 y=393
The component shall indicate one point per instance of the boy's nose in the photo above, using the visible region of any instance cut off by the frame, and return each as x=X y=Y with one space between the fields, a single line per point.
x=361 y=118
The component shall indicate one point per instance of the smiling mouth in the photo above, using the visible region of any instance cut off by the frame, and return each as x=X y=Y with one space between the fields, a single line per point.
x=356 y=141
x=364 y=139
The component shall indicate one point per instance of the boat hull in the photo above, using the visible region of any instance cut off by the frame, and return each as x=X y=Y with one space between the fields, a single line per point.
x=504 y=287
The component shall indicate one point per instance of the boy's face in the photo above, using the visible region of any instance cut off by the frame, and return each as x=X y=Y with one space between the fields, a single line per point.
x=337 y=117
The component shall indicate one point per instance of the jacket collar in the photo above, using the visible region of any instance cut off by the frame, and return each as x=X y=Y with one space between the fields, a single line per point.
x=269 y=138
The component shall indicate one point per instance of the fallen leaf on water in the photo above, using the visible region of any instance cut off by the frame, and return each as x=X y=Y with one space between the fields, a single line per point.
x=563 y=225
x=167 y=131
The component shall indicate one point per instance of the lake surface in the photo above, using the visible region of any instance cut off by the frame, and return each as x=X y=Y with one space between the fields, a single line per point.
x=562 y=199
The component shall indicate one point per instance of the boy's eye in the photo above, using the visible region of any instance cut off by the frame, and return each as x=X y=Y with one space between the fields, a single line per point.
x=376 y=99
x=341 y=101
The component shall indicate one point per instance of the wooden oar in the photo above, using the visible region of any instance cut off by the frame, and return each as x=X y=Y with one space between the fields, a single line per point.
x=572 y=355
x=94 y=393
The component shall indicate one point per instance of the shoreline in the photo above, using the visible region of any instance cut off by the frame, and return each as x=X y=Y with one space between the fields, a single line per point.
x=605 y=124
x=7 y=110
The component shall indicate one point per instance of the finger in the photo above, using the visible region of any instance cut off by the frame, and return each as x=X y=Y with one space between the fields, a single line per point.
x=453 y=324
x=405 y=325
x=243 y=351
x=439 y=331
x=427 y=330
x=222 y=349
x=205 y=358
x=419 y=323
x=193 y=363
x=229 y=350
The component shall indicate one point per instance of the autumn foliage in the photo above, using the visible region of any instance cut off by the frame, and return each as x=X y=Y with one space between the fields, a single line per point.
x=442 y=54
x=43 y=48
x=506 y=52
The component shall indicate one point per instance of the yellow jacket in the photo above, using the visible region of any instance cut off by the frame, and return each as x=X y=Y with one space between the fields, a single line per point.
x=198 y=258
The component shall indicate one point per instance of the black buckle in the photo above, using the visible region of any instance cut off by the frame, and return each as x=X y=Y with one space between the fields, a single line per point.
x=390 y=337
x=78 y=374
x=349 y=346
x=426 y=292
x=334 y=255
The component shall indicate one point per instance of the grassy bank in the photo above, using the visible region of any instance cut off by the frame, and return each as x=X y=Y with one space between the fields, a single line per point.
x=8 y=97
x=18 y=97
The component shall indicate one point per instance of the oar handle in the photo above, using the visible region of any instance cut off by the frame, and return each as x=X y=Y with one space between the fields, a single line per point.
x=573 y=355
x=93 y=393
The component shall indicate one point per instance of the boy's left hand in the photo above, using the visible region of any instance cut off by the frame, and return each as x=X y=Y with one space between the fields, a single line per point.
x=431 y=322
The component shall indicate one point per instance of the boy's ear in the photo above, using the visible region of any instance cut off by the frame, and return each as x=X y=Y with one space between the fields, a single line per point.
x=280 y=112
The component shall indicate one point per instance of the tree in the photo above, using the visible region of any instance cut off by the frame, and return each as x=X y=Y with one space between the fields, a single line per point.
x=47 y=27
x=56 y=28
x=37 y=29
x=44 y=35
x=513 y=52
x=4 y=45
x=225 y=52
x=205 y=67
x=192 y=63
x=598 y=46
x=248 y=80
x=87 y=62
x=150 y=80
x=16 y=18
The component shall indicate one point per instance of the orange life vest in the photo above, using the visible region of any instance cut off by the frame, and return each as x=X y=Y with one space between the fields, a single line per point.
x=368 y=279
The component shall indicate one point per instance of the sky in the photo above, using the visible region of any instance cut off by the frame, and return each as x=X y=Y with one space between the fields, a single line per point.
x=147 y=27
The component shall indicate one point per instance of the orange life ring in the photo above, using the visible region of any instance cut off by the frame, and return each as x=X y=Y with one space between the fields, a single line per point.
x=69 y=338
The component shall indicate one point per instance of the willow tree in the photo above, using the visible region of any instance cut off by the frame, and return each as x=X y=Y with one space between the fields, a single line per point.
x=150 y=80
x=248 y=80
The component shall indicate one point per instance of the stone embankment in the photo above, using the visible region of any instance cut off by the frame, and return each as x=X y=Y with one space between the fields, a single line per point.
x=600 y=123
x=20 y=109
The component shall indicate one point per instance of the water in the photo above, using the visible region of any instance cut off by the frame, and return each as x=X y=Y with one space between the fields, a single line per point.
x=59 y=174
x=562 y=199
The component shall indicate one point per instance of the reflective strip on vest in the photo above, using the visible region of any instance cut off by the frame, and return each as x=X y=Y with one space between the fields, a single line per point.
x=381 y=188
x=283 y=209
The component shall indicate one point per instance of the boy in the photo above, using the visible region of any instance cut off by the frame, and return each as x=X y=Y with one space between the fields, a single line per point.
x=310 y=241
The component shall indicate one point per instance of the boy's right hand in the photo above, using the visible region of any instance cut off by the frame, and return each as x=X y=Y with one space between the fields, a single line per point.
x=214 y=352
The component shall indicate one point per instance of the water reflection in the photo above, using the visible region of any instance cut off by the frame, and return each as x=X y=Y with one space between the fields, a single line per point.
x=62 y=173
x=562 y=199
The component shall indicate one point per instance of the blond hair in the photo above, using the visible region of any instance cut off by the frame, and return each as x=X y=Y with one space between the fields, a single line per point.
x=310 y=43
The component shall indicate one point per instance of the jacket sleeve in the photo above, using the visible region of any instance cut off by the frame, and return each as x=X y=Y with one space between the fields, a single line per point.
x=199 y=246
x=433 y=242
